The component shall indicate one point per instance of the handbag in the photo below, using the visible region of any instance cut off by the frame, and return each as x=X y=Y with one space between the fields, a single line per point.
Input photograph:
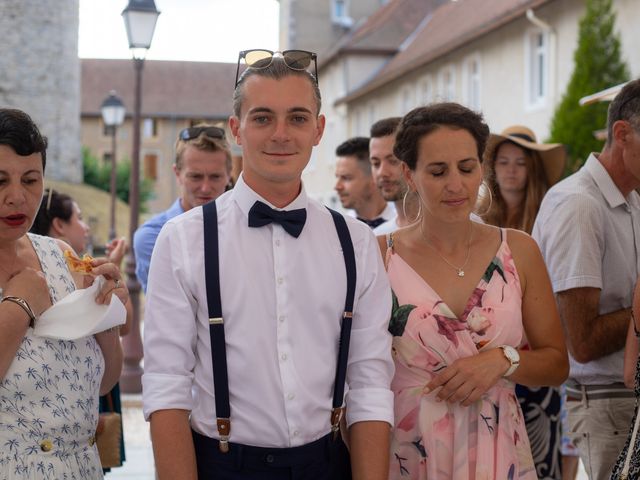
x=109 y=435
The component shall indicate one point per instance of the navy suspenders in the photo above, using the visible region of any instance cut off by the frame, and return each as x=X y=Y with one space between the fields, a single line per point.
x=216 y=322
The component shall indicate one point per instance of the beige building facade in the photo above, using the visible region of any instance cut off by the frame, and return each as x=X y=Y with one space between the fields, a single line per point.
x=175 y=95
x=509 y=59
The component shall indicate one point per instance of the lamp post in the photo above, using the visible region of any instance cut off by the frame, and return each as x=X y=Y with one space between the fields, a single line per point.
x=113 y=111
x=140 y=18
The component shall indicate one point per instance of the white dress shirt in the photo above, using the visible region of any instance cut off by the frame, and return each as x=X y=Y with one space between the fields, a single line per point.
x=589 y=235
x=282 y=303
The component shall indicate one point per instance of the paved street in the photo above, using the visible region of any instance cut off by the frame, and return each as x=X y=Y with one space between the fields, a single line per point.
x=139 y=464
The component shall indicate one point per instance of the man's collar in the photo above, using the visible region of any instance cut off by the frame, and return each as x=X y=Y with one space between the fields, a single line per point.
x=177 y=207
x=610 y=191
x=245 y=197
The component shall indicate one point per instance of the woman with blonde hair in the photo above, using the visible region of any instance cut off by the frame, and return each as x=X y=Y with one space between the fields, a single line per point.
x=519 y=171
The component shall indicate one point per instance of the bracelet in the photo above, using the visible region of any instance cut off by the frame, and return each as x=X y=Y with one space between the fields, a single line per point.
x=25 y=306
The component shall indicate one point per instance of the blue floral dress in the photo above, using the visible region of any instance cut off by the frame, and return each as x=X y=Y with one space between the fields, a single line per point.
x=49 y=395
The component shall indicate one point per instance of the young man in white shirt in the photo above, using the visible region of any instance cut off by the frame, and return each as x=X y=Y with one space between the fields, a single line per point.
x=282 y=289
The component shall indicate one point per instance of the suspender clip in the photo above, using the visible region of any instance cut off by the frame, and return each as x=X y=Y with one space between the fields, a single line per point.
x=336 y=417
x=224 y=429
x=347 y=315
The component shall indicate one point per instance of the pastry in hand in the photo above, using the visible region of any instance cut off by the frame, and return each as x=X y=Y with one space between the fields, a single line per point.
x=76 y=264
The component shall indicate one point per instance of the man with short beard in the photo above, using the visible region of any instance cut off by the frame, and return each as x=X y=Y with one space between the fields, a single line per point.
x=389 y=177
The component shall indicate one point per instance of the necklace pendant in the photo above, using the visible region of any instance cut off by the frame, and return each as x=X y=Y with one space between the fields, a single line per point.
x=460 y=272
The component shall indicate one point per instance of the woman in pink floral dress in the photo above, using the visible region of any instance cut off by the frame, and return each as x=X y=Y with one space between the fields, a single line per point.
x=464 y=295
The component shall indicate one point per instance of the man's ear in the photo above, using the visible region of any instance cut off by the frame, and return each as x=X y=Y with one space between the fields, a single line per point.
x=320 y=129
x=234 y=126
x=621 y=130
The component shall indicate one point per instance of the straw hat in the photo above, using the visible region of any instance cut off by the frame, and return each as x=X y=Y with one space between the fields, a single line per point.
x=553 y=155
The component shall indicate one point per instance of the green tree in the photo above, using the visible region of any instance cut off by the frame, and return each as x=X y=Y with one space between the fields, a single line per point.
x=598 y=64
x=98 y=174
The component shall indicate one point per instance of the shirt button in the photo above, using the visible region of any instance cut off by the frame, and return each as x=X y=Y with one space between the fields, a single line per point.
x=296 y=433
x=291 y=396
x=283 y=357
x=277 y=243
x=46 y=445
x=281 y=318
x=280 y=280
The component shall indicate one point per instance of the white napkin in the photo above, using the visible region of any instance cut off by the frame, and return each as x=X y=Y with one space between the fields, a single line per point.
x=78 y=315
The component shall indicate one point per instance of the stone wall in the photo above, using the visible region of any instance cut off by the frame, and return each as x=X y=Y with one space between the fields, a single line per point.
x=40 y=74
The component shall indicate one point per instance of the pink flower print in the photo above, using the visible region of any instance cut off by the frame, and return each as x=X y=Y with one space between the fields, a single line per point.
x=444 y=425
x=410 y=420
x=478 y=322
x=475 y=300
x=448 y=326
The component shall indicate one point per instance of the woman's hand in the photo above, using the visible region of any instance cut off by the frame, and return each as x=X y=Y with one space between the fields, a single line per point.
x=116 y=250
x=467 y=379
x=30 y=285
x=113 y=286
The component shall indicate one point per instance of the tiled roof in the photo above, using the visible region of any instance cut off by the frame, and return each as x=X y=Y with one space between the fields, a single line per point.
x=169 y=88
x=385 y=30
x=448 y=28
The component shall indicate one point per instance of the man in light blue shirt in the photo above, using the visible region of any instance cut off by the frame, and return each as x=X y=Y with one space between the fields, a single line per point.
x=203 y=173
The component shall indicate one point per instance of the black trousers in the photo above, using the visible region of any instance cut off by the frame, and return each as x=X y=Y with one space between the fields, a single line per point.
x=324 y=459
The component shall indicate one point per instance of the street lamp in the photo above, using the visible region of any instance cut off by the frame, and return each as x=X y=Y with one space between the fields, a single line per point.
x=113 y=111
x=140 y=18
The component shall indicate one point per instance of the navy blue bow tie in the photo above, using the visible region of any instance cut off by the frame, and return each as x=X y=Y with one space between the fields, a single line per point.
x=292 y=221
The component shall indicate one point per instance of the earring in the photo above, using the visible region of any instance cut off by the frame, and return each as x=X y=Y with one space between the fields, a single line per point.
x=488 y=189
x=404 y=207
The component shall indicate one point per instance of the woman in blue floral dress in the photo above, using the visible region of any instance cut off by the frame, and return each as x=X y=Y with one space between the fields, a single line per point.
x=48 y=388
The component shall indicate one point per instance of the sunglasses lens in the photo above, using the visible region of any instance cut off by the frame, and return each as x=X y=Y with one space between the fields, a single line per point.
x=258 y=58
x=194 y=132
x=297 y=59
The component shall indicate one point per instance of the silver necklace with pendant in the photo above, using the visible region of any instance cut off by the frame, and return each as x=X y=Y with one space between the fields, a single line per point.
x=459 y=270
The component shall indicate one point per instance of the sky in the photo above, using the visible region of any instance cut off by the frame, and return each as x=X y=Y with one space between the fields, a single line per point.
x=192 y=30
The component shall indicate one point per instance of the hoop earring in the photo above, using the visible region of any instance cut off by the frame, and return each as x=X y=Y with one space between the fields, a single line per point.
x=404 y=207
x=488 y=189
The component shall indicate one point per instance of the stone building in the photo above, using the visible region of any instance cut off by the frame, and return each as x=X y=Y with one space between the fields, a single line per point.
x=40 y=74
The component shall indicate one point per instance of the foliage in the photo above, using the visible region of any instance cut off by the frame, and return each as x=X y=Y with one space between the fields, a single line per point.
x=597 y=65
x=98 y=174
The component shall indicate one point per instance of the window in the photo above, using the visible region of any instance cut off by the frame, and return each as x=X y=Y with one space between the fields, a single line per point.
x=472 y=82
x=537 y=58
x=150 y=166
x=407 y=102
x=448 y=84
x=372 y=114
x=150 y=127
x=425 y=91
x=340 y=13
x=106 y=159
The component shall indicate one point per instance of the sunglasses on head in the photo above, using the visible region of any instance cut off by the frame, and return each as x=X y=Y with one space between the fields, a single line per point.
x=194 y=132
x=294 y=59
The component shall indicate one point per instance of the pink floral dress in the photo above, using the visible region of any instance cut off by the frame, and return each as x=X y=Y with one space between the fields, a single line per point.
x=441 y=441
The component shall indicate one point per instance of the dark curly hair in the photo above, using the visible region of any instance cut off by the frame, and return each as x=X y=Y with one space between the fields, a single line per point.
x=18 y=131
x=422 y=121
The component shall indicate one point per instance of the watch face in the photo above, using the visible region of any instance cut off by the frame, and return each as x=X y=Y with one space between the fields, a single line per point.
x=511 y=354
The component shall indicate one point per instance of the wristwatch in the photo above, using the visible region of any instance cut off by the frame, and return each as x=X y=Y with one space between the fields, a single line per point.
x=513 y=356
